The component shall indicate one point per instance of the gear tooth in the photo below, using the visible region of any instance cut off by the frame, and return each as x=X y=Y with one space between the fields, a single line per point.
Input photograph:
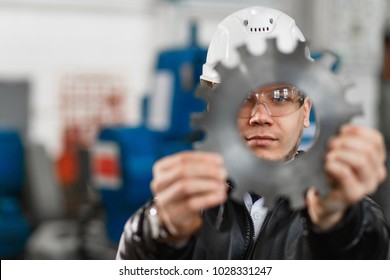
x=322 y=191
x=203 y=93
x=197 y=145
x=237 y=195
x=206 y=144
x=197 y=119
x=271 y=44
x=271 y=47
x=269 y=201
x=243 y=51
x=327 y=60
x=301 y=53
x=222 y=70
x=352 y=109
x=345 y=81
x=297 y=201
x=301 y=48
x=356 y=109
x=346 y=85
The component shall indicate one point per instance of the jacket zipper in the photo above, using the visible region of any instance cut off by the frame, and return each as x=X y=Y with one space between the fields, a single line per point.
x=249 y=231
x=248 y=250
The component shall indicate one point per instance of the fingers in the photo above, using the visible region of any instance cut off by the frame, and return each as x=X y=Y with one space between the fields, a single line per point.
x=350 y=189
x=182 y=157
x=183 y=185
x=187 y=165
x=362 y=149
x=356 y=162
x=180 y=209
x=374 y=141
x=353 y=167
x=194 y=194
x=324 y=212
x=369 y=134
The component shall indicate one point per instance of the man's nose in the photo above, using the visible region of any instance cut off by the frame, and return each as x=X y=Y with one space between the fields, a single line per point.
x=260 y=106
x=260 y=114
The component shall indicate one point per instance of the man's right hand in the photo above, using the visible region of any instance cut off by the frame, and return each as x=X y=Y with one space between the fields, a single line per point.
x=185 y=183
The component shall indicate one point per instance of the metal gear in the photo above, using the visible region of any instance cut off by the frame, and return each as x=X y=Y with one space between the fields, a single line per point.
x=248 y=172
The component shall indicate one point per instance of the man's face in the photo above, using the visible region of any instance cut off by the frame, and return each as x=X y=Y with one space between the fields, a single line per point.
x=271 y=121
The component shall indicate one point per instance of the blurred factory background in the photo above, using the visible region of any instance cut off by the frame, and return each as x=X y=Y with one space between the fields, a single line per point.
x=92 y=92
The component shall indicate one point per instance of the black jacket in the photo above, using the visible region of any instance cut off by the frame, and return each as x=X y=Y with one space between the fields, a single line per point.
x=286 y=234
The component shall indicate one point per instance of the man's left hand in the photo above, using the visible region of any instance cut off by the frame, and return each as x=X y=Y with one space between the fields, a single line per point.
x=355 y=163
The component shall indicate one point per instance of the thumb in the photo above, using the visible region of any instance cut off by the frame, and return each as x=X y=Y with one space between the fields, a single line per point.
x=312 y=198
x=323 y=211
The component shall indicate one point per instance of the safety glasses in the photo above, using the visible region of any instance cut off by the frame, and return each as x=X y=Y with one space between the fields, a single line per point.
x=277 y=101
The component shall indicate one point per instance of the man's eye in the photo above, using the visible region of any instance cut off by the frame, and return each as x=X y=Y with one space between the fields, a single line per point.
x=281 y=99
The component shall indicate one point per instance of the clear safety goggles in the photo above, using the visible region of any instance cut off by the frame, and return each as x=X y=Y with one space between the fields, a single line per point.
x=277 y=101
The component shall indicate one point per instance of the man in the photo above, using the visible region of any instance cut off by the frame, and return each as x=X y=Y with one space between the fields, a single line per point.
x=267 y=133
x=192 y=216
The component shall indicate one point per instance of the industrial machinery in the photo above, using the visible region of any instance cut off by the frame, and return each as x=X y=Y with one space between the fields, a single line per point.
x=122 y=157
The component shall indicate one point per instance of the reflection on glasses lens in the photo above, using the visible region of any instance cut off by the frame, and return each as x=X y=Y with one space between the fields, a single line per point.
x=278 y=101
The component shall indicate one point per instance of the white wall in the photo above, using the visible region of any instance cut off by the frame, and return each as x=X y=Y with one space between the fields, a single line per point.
x=354 y=29
x=41 y=43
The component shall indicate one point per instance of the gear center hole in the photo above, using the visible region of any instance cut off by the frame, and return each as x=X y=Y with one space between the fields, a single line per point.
x=277 y=120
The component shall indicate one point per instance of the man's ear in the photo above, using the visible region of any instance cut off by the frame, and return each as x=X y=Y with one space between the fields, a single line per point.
x=306 y=111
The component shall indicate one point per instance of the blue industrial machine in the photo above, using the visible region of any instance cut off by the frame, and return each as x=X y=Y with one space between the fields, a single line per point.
x=122 y=157
x=14 y=227
x=122 y=161
x=11 y=162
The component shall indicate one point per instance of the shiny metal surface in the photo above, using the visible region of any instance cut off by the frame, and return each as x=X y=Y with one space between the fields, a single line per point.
x=249 y=173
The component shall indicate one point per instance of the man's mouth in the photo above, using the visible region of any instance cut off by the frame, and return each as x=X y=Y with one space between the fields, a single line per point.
x=260 y=140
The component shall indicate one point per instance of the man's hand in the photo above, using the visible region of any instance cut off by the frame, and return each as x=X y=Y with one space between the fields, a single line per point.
x=183 y=185
x=355 y=163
